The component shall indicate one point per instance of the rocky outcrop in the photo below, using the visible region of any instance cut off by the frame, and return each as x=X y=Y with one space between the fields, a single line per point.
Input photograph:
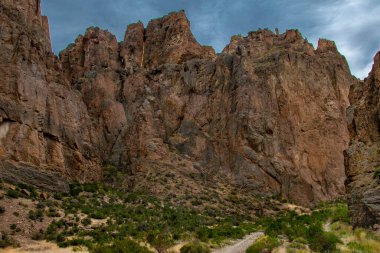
x=362 y=157
x=44 y=124
x=267 y=115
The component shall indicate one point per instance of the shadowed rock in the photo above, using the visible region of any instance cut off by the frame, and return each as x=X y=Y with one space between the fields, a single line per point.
x=362 y=157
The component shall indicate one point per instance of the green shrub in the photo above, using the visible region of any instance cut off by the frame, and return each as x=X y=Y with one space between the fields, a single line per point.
x=59 y=195
x=120 y=246
x=195 y=247
x=5 y=241
x=376 y=173
x=36 y=215
x=53 y=212
x=324 y=242
x=86 y=221
x=98 y=215
x=75 y=189
x=339 y=212
x=161 y=240
x=263 y=244
x=41 y=205
x=13 y=193
x=91 y=188
x=294 y=247
x=29 y=188
x=13 y=226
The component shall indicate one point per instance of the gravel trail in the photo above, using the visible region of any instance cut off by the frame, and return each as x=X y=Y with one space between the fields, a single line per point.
x=240 y=246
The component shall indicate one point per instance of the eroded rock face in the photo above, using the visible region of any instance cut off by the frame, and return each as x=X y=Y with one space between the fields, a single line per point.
x=45 y=124
x=362 y=157
x=266 y=115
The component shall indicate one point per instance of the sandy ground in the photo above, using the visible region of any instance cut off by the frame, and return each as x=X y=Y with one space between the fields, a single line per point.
x=40 y=247
x=240 y=246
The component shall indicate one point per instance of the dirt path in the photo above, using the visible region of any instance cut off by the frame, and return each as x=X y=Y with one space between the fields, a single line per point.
x=240 y=246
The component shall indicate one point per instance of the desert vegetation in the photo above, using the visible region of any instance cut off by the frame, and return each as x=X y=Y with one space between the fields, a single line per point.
x=100 y=218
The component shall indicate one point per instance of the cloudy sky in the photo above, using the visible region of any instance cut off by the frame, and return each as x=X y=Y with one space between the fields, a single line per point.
x=353 y=24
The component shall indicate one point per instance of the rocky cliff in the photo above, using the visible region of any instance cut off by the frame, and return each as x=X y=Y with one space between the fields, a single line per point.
x=362 y=157
x=266 y=115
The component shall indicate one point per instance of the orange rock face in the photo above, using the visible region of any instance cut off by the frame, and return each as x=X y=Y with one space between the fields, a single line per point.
x=266 y=115
x=362 y=156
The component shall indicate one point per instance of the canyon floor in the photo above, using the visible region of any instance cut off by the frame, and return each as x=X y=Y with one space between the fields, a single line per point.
x=97 y=218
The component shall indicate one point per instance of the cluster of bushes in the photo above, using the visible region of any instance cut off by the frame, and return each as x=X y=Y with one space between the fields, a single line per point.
x=136 y=215
x=308 y=228
x=22 y=190
x=220 y=232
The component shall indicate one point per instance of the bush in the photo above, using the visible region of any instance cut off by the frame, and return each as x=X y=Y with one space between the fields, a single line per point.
x=124 y=246
x=13 y=194
x=195 y=247
x=161 y=241
x=30 y=189
x=376 y=173
x=91 y=188
x=338 y=212
x=53 y=212
x=98 y=215
x=2 y=209
x=36 y=215
x=75 y=189
x=324 y=242
x=86 y=221
x=5 y=241
x=298 y=244
x=38 y=236
x=263 y=244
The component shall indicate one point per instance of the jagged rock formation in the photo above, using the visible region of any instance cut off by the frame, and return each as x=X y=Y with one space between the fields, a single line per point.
x=266 y=115
x=362 y=157
x=45 y=126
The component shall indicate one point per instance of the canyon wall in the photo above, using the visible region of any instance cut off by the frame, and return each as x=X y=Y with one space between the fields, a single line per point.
x=266 y=115
x=46 y=129
x=362 y=157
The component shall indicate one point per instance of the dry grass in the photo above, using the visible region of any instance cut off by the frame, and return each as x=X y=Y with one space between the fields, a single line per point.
x=356 y=240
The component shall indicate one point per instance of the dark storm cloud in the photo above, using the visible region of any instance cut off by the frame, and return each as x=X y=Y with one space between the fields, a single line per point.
x=352 y=24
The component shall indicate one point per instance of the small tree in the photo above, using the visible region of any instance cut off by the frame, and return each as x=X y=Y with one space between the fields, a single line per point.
x=161 y=241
